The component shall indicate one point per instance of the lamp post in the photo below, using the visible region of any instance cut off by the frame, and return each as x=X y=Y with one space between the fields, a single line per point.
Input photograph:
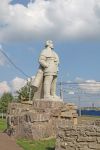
x=61 y=90
x=79 y=105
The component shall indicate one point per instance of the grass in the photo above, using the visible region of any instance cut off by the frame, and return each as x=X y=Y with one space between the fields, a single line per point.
x=37 y=145
x=88 y=118
x=3 y=125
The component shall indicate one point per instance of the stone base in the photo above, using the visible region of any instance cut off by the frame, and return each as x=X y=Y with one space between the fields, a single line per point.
x=80 y=137
x=40 y=120
x=44 y=104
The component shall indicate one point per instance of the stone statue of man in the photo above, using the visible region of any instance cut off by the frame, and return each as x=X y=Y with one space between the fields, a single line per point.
x=49 y=60
x=48 y=71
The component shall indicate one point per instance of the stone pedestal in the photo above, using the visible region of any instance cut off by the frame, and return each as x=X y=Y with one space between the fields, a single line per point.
x=47 y=104
x=80 y=137
x=40 y=120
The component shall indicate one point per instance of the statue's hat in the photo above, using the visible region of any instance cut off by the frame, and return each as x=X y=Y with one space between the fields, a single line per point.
x=48 y=42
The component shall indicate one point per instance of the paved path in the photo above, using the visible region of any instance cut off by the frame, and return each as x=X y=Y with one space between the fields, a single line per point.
x=8 y=143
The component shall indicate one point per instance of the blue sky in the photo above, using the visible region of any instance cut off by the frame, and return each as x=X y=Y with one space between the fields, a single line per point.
x=77 y=59
x=74 y=27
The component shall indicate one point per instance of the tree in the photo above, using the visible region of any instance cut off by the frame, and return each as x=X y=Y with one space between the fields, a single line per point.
x=5 y=99
x=23 y=94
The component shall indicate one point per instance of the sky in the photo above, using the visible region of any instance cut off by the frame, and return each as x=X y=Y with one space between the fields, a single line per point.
x=72 y=25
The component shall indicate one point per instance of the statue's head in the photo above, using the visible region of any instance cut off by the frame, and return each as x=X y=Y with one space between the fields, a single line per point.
x=49 y=43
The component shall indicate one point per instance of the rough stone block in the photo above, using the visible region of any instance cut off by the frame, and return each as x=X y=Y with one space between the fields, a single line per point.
x=66 y=114
x=94 y=146
x=38 y=117
x=85 y=148
x=86 y=139
x=43 y=104
x=98 y=139
x=91 y=133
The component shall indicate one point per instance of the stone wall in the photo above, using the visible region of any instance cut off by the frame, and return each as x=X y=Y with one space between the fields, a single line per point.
x=80 y=137
x=40 y=120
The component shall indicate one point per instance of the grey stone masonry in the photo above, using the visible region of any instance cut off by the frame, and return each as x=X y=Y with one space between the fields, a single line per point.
x=79 y=137
x=40 y=119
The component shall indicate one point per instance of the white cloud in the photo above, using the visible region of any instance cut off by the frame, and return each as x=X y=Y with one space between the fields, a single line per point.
x=63 y=19
x=4 y=87
x=17 y=83
x=90 y=86
x=85 y=86
x=71 y=93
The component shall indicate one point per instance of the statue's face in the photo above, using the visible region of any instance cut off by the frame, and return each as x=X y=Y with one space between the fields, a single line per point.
x=50 y=44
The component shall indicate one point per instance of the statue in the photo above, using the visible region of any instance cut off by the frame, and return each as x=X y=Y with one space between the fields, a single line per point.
x=46 y=77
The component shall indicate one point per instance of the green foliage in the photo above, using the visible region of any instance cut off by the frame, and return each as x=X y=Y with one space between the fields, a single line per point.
x=23 y=93
x=3 y=125
x=5 y=99
x=37 y=145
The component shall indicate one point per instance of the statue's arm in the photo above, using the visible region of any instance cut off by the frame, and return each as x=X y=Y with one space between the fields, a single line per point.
x=57 y=59
x=42 y=61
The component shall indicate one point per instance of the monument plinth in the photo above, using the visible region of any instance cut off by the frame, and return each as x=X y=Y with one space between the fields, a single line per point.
x=47 y=104
x=41 y=119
